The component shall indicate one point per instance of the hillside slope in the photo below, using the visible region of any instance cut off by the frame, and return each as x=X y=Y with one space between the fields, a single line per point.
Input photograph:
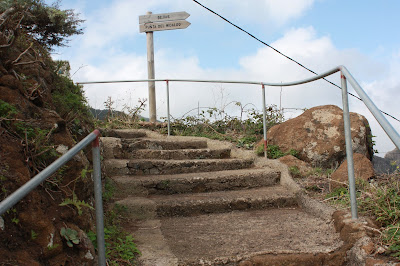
x=41 y=115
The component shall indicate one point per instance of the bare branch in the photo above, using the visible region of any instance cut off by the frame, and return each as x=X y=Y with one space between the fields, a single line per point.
x=24 y=52
x=6 y=13
x=27 y=63
x=12 y=32
x=6 y=45
x=19 y=22
x=9 y=39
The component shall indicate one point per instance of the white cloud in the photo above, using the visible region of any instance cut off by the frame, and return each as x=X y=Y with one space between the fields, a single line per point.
x=119 y=19
x=262 y=12
x=285 y=10
x=264 y=65
x=381 y=82
x=382 y=92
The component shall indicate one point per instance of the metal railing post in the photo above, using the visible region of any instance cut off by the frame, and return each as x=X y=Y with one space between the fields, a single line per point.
x=264 y=121
x=98 y=203
x=349 y=148
x=169 y=122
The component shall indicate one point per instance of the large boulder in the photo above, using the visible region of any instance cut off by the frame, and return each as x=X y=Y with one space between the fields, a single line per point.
x=318 y=136
x=363 y=170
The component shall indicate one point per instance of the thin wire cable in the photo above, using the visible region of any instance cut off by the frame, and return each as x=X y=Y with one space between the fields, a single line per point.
x=279 y=52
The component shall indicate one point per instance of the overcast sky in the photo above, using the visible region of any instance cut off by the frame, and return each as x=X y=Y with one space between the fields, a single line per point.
x=321 y=34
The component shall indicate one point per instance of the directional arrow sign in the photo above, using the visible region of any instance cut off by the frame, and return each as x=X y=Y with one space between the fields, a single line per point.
x=167 y=25
x=163 y=17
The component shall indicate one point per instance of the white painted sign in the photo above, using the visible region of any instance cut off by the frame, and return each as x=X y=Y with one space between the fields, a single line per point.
x=168 y=25
x=163 y=17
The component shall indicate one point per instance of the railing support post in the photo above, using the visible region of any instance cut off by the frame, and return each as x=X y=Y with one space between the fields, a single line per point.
x=98 y=202
x=349 y=148
x=169 y=122
x=264 y=121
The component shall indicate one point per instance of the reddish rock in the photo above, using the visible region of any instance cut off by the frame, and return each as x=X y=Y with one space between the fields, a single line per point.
x=363 y=169
x=318 y=135
x=374 y=262
x=11 y=82
x=369 y=248
x=291 y=161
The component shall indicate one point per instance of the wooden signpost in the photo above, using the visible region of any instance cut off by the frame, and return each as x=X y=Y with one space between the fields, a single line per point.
x=158 y=22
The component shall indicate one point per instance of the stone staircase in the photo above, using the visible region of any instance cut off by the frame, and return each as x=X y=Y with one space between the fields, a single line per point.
x=194 y=201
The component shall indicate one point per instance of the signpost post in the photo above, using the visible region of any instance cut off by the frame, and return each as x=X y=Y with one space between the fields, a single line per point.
x=157 y=22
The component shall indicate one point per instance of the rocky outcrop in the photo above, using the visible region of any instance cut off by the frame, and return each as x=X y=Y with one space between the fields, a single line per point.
x=363 y=170
x=318 y=136
x=393 y=156
x=382 y=165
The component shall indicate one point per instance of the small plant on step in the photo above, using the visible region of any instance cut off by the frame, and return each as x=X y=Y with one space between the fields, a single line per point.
x=109 y=189
x=295 y=171
x=246 y=142
x=34 y=235
x=70 y=235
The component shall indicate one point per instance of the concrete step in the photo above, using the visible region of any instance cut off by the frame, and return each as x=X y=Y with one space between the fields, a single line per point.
x=182 y=154
x=259 y=237
x=162 y=144
x=115 y=167
x=195 y=182
x=209 y=202
x=123 y=133
x=116 y=148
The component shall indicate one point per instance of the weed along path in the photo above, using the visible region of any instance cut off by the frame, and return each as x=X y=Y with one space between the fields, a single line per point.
x=195 y=201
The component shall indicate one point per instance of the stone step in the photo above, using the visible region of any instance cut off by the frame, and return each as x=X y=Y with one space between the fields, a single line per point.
x=123 y=133
x=182 y=154
x=259 y=237
x=209 y=202
x=116 y=167
x=162 y=144
x=195 y=182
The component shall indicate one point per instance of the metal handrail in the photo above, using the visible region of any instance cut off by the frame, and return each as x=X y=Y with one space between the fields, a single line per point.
x=20 y=193
x=345 y=76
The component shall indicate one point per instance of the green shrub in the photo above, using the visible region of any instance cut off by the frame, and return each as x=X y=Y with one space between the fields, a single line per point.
x=119 y=244
x=274 y=152
x=7 y=110
x=217 y=124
